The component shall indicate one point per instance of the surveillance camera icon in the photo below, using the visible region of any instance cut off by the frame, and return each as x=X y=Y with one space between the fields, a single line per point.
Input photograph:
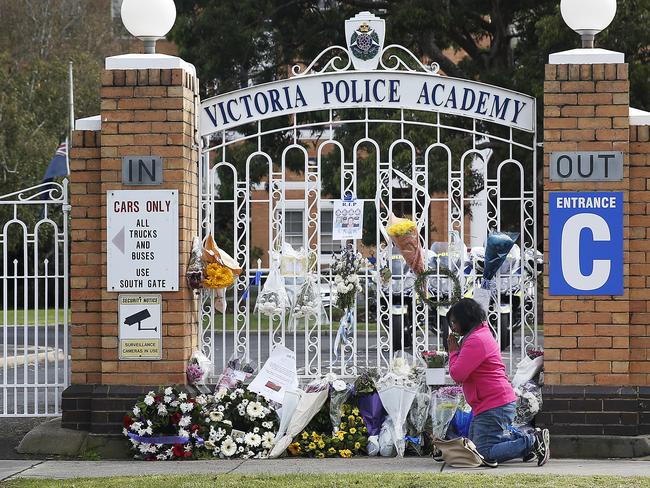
x=138 y=318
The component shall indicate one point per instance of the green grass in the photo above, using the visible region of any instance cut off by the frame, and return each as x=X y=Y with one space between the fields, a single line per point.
x=19 y=316
x=402 y=480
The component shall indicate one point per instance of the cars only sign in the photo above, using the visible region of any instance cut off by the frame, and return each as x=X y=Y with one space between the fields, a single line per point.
x=142 y=240
x=586 y=243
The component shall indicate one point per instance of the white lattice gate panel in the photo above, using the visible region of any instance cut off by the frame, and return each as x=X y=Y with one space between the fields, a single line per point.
x=272 y=176
x=34 y=246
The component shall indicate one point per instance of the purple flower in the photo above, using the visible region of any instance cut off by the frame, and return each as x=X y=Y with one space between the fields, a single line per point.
x=194 y=373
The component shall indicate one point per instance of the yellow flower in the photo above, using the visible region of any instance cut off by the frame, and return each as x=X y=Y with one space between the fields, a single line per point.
x=320 y=455
x=401 y=228
x=321 y=444
x=294 y=449
x=343 y=425
x=345 y=453
x=340 y=434
x=311 y=446
x=351 y=419
x=355 y=412
x=331 y=451
x=218 y=276
x=353 y=430
x=315 y=436
x=357 y=445
x=305 y=435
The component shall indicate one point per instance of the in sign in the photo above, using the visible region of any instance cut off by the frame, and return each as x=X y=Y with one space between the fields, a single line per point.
x=142 y=170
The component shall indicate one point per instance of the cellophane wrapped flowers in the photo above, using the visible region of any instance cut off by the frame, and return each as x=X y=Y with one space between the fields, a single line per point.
x=405 y=236
x=435 y=359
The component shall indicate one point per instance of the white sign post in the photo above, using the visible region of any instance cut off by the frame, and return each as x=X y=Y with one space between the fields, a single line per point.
x=140 y=327
x=142 y=240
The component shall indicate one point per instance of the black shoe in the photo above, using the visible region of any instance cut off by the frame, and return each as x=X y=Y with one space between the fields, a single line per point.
x=542 y=446
x=529 y=457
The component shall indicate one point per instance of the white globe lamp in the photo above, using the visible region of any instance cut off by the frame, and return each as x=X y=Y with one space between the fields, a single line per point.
x=588 y=17
x=148 y=20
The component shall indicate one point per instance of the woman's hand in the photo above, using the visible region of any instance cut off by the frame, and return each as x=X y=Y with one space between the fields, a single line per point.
x=452 y=342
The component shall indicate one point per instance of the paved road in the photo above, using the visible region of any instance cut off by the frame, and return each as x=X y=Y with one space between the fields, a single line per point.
x=99 y=469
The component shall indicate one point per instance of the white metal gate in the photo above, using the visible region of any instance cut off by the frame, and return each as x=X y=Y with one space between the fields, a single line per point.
x=34 y=367
x=271 y=180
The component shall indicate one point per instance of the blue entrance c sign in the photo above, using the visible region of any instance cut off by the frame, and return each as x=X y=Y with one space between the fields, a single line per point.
x=586 y=243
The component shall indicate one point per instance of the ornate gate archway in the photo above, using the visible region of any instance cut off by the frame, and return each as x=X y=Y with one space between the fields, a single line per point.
x=457 y=156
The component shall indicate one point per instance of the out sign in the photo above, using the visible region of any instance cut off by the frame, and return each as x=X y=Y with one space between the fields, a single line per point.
x=586 y=243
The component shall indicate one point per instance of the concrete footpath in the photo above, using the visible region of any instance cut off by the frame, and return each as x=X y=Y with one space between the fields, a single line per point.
x=11 y=469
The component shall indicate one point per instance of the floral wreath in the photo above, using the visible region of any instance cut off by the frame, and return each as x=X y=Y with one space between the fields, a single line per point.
x=238 y=424
x=165 y=425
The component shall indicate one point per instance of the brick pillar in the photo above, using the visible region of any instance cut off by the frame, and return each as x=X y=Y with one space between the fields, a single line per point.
x=143 y=112
x=586 y=339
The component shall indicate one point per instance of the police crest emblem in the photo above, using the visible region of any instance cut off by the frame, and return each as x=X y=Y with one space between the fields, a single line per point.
x=365 y=37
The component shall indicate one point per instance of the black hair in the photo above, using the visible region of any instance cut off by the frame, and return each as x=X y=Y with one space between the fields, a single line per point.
x=467 y=313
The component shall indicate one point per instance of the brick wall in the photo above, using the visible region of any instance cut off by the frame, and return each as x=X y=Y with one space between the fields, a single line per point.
x=86 y=257
x=143 y=112
x=639 y=254
x=587 y=339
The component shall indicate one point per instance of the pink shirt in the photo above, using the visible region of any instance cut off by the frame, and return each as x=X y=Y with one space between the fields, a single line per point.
x=478 y=366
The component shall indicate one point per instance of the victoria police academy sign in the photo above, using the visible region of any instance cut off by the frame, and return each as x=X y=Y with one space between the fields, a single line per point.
x=369 y=89
x=586 y=243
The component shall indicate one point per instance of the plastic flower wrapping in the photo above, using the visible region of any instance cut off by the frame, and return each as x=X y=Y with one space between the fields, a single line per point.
x=273 y=300
x=370 y=407
x=529 y=403
x=195 y=267
x=497 y=247
x=236 y=423
x=444 y=403
x=165 y=425
x=308 y=304
x=417 y=419
x=237 y=372
x=346 y=268
x=435 y=359
x=405 y=235
x=310 y=401
x=397 y=390
x=340 y=393
x=292 y=262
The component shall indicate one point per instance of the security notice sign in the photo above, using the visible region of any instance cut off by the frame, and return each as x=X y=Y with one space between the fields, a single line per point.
x=140 y=327
x=142 y=239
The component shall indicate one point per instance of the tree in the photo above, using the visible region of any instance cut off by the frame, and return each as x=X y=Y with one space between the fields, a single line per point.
x=236 y=42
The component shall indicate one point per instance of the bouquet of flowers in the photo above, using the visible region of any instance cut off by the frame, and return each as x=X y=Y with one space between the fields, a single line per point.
x=529 y=403
x=340 y=393
x=444 y=402
x=310 y=402
x=165 y=425
x=348 y=441
x=308 y=303
x=370 y=407
x=346 y=268
x=417 y=418
x=397 y=390
x=238 y=424
x=273 y=300
x=198 y=368
x=220 y=271
x=195 y=267
x=435 y=359
x=528 y=368
x=237 y=372
x=405 y=235
x=497 y=248
x=292 y=262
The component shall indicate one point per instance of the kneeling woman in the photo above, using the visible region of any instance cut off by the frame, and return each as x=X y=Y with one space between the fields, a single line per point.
x=477 y=364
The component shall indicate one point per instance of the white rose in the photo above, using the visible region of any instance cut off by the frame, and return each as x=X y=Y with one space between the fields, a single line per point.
x=339 y=385
x=169 y=391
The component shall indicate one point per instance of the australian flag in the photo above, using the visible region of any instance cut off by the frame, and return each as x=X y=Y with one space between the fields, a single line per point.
x=59 y=164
